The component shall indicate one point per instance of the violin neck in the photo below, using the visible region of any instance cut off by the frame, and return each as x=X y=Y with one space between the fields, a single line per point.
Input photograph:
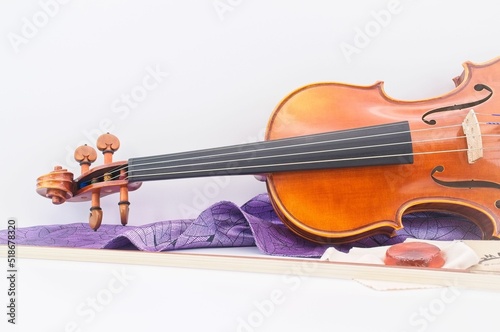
x=387 y=144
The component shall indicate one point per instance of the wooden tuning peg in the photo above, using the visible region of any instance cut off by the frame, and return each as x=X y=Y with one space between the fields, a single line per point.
x=95 y=218
x=85 y=155
x=123 y=204
x=108 y=144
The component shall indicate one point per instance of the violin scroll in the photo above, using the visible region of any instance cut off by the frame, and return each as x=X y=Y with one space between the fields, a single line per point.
x=57 y=185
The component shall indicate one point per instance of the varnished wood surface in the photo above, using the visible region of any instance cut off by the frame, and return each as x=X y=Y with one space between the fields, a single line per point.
x=346 y=204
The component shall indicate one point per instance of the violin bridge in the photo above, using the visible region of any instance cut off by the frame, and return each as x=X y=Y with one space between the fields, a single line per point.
x=472 y=132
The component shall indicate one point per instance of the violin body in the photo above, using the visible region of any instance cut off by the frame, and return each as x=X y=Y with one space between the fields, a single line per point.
x=386 y=158
x=341 y=205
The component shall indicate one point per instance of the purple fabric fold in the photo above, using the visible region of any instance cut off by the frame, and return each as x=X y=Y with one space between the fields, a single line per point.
x=225 y=224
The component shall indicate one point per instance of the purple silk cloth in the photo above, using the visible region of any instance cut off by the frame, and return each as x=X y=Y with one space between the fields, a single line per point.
x=225 y=224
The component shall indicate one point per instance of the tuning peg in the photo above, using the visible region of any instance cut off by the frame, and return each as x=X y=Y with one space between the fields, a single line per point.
x=108 y=144
x=95 y=218
x=85 y=155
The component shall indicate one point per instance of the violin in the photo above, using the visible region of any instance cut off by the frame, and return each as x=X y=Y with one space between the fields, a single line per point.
x=341 y=162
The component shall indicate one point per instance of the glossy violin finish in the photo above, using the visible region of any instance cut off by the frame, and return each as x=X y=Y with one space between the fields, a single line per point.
x=343 y=162
x=350 y=203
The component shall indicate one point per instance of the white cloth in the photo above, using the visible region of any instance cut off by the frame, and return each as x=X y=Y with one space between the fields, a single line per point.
x=457 y=255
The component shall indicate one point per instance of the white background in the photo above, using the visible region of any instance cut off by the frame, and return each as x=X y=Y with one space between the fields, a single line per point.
x=222 y=66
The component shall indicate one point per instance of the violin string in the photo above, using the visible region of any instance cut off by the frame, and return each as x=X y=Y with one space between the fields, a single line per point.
x=313 y=162
x=163 y=173
x=313 y=152
x=326 y=141
x=488 y=114
x=292 y=154
x=212 y=152
x=283 y=155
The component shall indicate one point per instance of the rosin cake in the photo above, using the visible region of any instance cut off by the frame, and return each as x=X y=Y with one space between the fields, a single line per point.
x=419 y=254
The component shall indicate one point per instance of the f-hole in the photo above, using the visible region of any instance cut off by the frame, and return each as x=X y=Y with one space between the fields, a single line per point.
x=477 y=87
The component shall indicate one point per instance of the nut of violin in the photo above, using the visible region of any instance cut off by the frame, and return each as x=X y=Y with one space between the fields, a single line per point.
x=85 y=155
